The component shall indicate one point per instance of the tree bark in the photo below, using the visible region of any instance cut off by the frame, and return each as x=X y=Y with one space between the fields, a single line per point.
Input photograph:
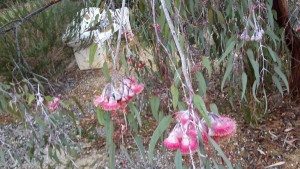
x=292 y=42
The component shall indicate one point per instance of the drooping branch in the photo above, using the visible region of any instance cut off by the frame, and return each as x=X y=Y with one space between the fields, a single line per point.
x=13 y=24
x=292 y=42
x=180 y=50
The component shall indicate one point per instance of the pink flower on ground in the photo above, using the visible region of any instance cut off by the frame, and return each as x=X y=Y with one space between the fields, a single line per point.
x=188 y=144
x=54 y=104
x=222 y=127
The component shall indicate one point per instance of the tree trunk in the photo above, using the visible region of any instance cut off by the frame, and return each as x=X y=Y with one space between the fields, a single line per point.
x=292 y=41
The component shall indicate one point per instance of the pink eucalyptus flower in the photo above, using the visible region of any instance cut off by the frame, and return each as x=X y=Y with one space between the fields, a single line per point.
x=137 y=88
x=172 y=142
x=188 y=144
x=54 y=104
x=182 y=116
x=111 y=105
x=222 y=127
x=191 y=130
x=99 y=100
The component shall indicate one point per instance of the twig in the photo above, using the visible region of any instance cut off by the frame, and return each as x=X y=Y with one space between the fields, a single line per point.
x=116 y=57
x=180 y=50
x=13 y=24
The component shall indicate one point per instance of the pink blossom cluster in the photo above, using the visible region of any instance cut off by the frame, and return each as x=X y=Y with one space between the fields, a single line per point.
x=189 y=127
x=54 y=104
x=113 y=98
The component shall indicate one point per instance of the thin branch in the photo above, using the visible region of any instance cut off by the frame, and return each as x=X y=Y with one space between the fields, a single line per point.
x=180 y=50
x=13 y=24
x=116 y=55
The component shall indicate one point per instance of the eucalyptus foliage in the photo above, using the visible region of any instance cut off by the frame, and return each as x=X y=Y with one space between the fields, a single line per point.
x=201 y=41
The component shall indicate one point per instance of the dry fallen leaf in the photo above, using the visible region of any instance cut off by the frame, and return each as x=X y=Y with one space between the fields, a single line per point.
x=276 y=164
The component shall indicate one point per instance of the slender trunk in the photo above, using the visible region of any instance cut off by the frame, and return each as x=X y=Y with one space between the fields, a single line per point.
x=292 y=41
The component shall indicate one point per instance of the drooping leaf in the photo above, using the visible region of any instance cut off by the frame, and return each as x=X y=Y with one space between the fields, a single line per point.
x=277 y=84
x=244 y=84
x=201 y=83
x=175 y=96
x=30 y=99
x=93 y=49
x=207 y=64
x=139 y=143
x=254 y=64
x=254 y=88
x=109 y=129
x=273 y=54
x=228 y=71
x=283 y=77
x=178 y=160
x=105 y=71
x=154 y=104
x=231 y=43
x=162 y=126
x=221 y=153
x=100 y=116
x=200 y=105
x=213 y=107
x=136 y=113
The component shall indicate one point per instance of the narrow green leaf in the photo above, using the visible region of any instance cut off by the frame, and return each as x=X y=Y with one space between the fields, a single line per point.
x=254 y=87
x=109 y=129
x=31 y=97
x=254 y=63
x=283 y=77
x=175 y=96
x=207 y=64
x=201 y=83
x=125 y=152
x=214 y=108
x=273 y=54
x=210 y=16
x=200 y=105
x=98 y=2
x=136 y=113
x=100 y=116
x=229 y=48
x=277 y=84
x=154 y=104
x=178 y=160
x=221 y=153
x=105 y=71
x=244 y=84
x=162 y=126
x=228 y=71
x=139 y=143
x=93 y=49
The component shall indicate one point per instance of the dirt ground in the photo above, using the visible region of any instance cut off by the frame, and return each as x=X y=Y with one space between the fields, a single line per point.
x=272 y=143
